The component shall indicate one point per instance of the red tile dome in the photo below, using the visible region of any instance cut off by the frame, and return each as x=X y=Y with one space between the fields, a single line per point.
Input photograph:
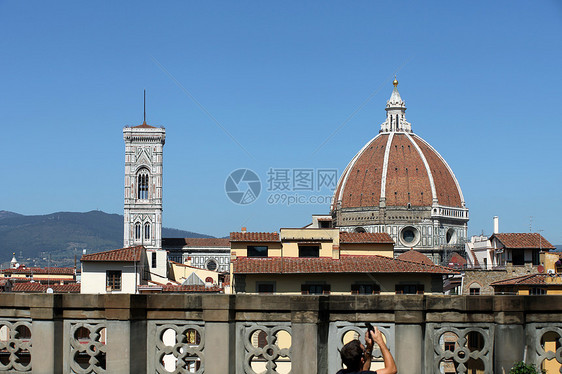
x=397 y=168
x=401 y=167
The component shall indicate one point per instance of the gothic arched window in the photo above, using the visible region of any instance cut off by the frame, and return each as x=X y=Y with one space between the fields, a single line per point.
x=142 y=184
x=147 y=231
x=137 y=231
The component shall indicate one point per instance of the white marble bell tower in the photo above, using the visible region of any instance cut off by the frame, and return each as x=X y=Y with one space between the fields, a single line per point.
x=143 y=194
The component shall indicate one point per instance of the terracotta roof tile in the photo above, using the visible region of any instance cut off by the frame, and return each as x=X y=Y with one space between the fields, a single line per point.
x=144 y=126
x=51 y=270
x=191 y=288
x=407 y=179
x=254 y=237
x=531 y=280
x=196 y=242
x=346 y=264
x=415 y=256
x=365 y=237
x=38 y=287
x=457 y=259
x=523 y=240
x=128 y=254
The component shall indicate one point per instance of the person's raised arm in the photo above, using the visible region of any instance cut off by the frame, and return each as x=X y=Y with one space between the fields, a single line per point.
x=389 y=364
x=367 y=355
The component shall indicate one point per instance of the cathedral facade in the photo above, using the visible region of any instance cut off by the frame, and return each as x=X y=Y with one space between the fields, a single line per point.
x=399 y=184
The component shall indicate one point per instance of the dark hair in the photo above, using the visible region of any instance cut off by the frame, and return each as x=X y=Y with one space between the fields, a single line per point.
x=351 y=354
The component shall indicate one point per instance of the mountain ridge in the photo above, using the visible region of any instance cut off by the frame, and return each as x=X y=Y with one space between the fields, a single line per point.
x=62 y=235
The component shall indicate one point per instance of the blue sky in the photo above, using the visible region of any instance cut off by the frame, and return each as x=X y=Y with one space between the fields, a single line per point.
x=481 y=81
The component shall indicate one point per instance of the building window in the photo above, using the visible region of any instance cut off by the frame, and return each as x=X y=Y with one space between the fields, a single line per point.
x=113 y=280
x=142 y=184
x=153 y=265
x=315 y=289
x=536 y=257
x=147 y=231
x=265 y=287
x=518 y=257
x=451 y=236
x=409 y=289
x=409 y=236
x=365 y=289
x=137 y=231
x=474 y=291
x=212 y=265
x=537 y=291
x=309 y=251
x=257 y=251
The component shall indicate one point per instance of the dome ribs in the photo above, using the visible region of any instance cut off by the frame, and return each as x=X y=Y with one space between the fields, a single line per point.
x=445 y=184
x=362 y=186
x=407 y=180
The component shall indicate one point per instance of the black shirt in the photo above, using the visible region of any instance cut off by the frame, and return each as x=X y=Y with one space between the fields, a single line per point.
x=345 y=371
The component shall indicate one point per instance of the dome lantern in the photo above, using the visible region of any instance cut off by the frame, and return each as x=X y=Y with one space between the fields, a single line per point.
x=395 y=113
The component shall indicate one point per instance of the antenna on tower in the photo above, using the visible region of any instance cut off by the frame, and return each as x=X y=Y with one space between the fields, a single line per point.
x=530 y=223
x=144 y=117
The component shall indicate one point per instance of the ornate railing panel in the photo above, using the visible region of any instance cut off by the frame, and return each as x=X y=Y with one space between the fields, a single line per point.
x=15 y=345
x=265 y=347
x=176 y=347
x=546 y=345
x=85 y=343
x=341 y=332
x=460 y=347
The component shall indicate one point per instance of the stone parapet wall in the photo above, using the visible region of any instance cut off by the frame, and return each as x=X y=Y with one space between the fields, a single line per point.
x=242 y=333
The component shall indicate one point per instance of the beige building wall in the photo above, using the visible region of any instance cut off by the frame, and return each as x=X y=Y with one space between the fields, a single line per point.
x=241 y=248
x=180 y=273
x=340 y=284
x=367 y=249
x=325 y=238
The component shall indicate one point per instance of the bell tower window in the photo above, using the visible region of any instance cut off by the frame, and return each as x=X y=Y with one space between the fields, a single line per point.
x=142 y=184
x=137 y=231
x=147 y=231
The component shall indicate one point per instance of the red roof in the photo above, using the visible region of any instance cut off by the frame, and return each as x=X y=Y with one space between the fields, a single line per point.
x=523 y=240
x=254 y=237
x=144 y=126
x=38 y=287
x=346 y=264
x=415 y=256
x=191 y=288
x=365 y=237
x=203 y=242
x=531 y=280
x=129 y=254
x=51 y=270
x=407 y=179
x=457 y=259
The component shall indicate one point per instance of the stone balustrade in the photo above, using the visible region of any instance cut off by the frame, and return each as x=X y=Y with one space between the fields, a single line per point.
x=160 y=333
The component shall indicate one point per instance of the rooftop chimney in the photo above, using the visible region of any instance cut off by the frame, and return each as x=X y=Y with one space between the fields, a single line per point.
x=243 y=229
x=496 y=225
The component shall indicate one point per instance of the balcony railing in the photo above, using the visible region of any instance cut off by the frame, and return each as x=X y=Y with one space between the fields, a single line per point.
x=247 y=334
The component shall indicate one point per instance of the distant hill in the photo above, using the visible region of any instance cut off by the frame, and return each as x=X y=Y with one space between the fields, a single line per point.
x=64 y=234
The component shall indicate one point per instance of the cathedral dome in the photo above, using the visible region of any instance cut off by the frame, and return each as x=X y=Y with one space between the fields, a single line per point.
x=397 y=169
